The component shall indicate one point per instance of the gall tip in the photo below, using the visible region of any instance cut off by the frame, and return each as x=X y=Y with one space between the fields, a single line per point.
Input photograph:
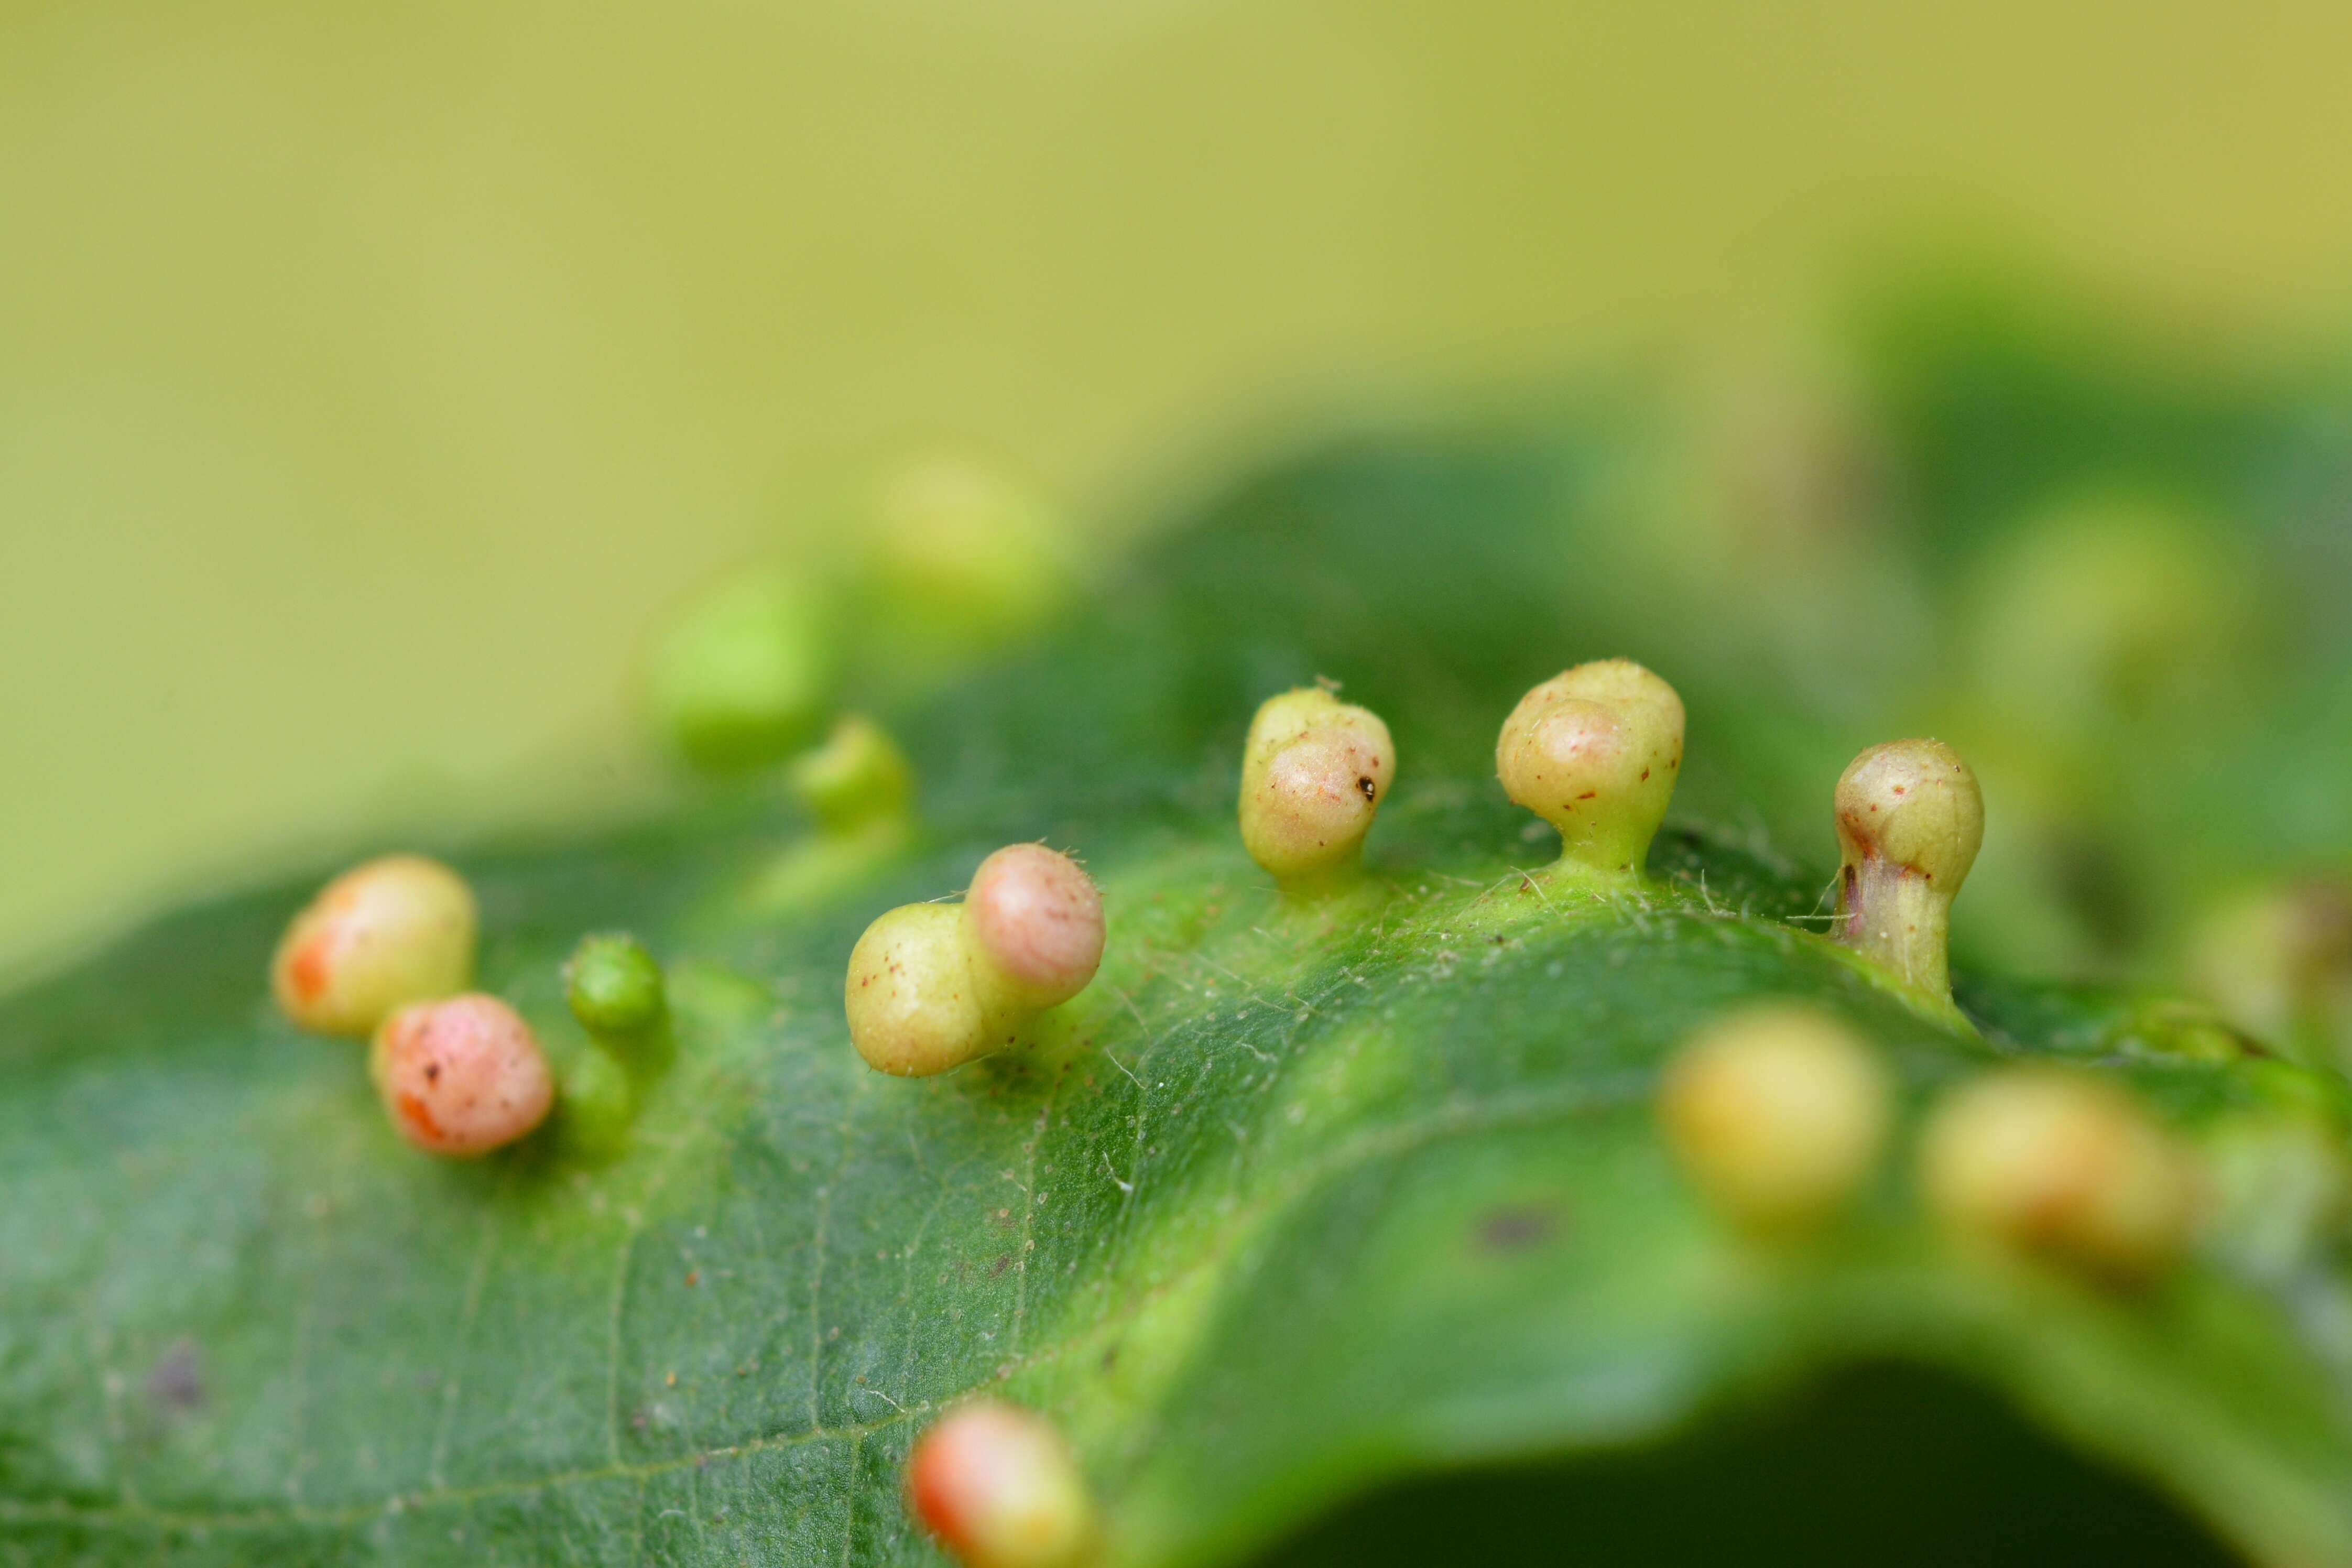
x=1910 y=819
x=1036 y=919
x=1915 y=805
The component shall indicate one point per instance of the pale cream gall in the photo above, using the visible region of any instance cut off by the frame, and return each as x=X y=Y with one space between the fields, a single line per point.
x=387 y=932
x=1778 y=1113
x=1313 y=772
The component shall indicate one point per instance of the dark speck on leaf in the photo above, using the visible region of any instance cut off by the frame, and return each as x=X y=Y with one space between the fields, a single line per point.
x=1511 y=1230
x=175 y=1385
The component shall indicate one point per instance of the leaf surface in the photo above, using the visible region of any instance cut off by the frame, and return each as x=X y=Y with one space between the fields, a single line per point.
x=1301 y=1202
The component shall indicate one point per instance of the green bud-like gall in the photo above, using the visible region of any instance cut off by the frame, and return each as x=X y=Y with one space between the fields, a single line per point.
x=857 y=777
x=742 y=675
x=614 y=985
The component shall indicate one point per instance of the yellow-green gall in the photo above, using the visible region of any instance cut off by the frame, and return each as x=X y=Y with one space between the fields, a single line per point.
x=1595 y=751
x=2110 y=605
x=2060 y=1163
x=2277 y=962
x=462 y=1076
x=913 y=1007
x=859 y=776
x=742 y=675
x=932 y=986
x=962 y=557
x=390 y=932
x=595 y=1104
x=999 y=1488
x=1778 y=1114
x=1313 y=772
x=1910 y=819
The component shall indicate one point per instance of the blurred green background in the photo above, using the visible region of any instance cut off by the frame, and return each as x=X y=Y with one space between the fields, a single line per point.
x=371 y=377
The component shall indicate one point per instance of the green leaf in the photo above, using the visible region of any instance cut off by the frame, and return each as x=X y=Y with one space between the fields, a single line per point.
x=1306 y=1201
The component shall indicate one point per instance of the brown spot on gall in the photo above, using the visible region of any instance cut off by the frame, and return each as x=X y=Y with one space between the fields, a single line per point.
x=1515 y=1229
